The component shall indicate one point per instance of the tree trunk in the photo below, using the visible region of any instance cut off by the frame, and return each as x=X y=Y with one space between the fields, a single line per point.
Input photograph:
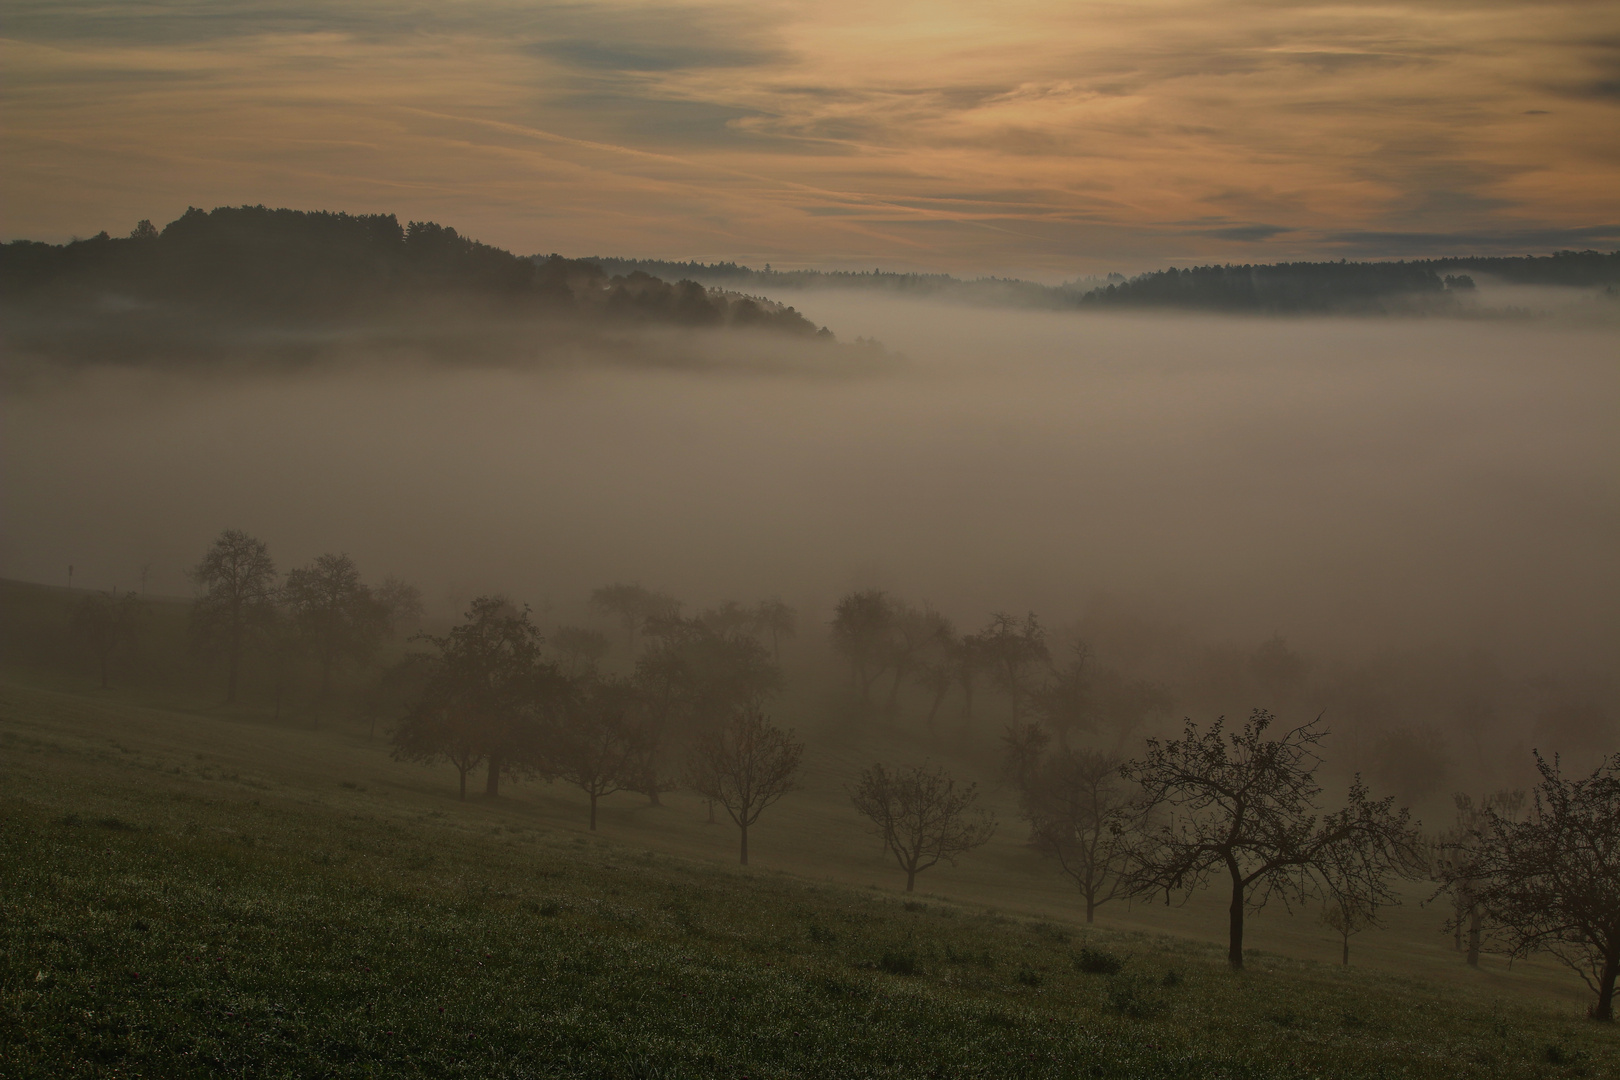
x=1344 y=957
x=1604 y=1009
x=1474 y=920
x=744 y=844
x=711 y=811
x=1091 y=910
x=492 y=786
x=1234 y=948
x=652 y=797
x=593 y=811
x=911 y=879
x=463 y=773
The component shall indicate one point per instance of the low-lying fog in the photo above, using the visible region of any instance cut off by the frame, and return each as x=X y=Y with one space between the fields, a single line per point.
x=1346 y=482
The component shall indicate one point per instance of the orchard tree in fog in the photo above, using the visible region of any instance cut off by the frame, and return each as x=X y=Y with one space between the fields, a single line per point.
x=1551 y=882
x=776 y=620
x=913 y=634
x=1245 y=805
x=633 y=605
x=401 y=603
x=967 y=658
x=239 y=583
x=690 y=680
x=336 y=615
x=1078 y=810
x=581 y=649
x=1451 y=864
x=1065 y=703
x=921 y=815
x=1346 y=919
x=861 y=627
x=486 y=698
x=598 y=743
x=1014 y=653
x=745 y=765
x=105 y=624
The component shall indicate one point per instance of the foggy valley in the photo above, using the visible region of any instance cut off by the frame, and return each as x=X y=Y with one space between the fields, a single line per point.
x=705 y=542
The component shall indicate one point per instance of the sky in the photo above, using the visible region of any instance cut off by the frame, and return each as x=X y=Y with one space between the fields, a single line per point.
x=1038 y=139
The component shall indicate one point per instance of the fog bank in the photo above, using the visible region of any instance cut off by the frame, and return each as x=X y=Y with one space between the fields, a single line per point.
x=1354 y=483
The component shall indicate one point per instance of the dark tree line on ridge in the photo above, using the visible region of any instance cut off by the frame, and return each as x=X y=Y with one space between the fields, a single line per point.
x=1252 y=287
x=254 y=264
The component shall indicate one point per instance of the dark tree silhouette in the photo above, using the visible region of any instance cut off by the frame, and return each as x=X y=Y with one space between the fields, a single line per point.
x=691 y=678
x=105 y=624
x=746 y=765
x=599 y=742
x=1246 y=804
x=921 y=816
x=581 y=649
x=240 y=583
x=1346 y=918
x=1066 y=703
x=862 y=624
x=402 y=603
x=1450 y=864
x=1013 y=652
x=633 y=605
x=778 y=621
x=1551 y=882
x=487 y=697
x=335 y=614
x=1078 y=810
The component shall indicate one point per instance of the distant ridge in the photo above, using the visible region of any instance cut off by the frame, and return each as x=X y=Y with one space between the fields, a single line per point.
x=1298 y=287
x=257 y=265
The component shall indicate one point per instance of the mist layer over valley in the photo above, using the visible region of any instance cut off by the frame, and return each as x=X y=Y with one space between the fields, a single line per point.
x=1351 y=484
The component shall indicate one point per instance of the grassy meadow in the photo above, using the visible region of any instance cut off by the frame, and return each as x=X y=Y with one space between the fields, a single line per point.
x=190 y=890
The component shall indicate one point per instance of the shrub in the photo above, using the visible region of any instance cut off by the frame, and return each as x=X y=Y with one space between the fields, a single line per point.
x=1097 y=962
x=898 y=963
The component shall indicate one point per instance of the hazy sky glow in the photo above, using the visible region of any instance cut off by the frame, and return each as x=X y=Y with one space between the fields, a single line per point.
x=1044 y=139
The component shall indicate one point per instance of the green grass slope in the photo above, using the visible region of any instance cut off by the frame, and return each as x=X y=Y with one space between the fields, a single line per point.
x=194 y=894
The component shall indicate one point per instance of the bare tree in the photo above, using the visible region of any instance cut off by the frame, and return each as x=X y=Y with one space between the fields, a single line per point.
x=105 y=624
x=335 y=613
x=1451 y=862
x=746 y=765
x=599 y=743
x=692 y=679
x=921 y=816
x=1346 y=919
x=1551 y=883
x=1246 y=804
x=240 y=583
x=1078 y=811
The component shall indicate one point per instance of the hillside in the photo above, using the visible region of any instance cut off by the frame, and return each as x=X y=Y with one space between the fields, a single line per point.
x=253 y=279
x=205 y=891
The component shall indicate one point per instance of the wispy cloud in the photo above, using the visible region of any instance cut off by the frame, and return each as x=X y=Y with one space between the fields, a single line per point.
x=1029 y=137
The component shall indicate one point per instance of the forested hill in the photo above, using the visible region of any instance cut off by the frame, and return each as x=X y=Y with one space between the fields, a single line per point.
x=252 y=263
x=1301 y=287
